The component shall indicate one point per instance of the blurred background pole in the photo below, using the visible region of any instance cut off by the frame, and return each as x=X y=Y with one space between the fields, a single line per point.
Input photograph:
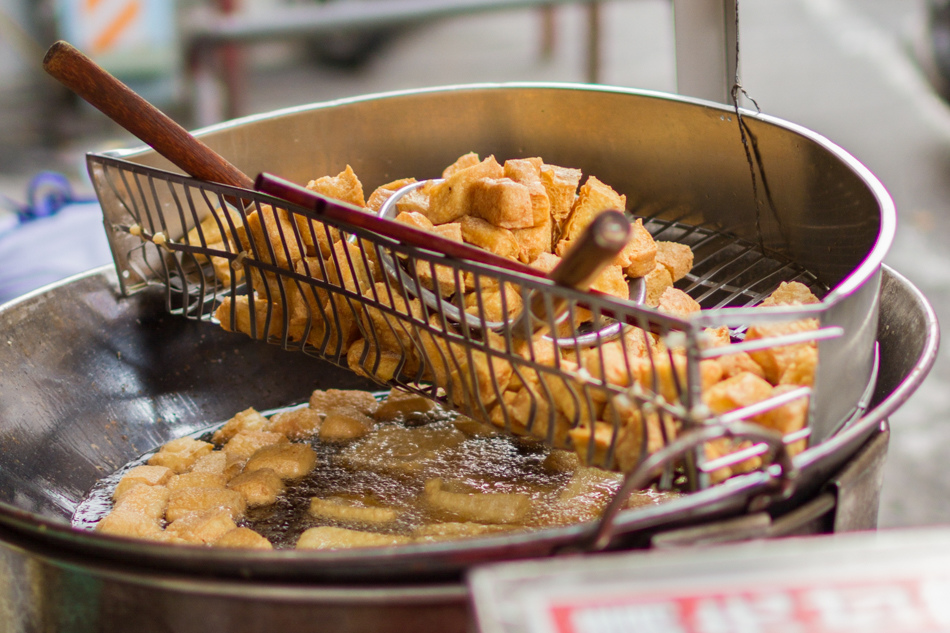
x=706 y=36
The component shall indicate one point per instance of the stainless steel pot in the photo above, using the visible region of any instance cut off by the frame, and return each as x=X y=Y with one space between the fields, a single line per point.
x=90 y=379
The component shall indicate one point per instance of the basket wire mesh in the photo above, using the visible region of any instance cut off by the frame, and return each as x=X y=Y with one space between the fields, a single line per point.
x=279 y=273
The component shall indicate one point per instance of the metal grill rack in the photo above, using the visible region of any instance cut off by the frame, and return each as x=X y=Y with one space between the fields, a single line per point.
x=614 y=407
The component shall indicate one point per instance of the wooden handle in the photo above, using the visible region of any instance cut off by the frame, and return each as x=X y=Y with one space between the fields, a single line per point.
x=598 y=246
x=121 y=104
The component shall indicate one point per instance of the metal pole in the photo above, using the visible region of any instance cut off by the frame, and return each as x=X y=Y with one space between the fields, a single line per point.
x=706 y=37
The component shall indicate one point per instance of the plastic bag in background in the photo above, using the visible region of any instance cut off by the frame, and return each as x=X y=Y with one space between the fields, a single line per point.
x=55 y=235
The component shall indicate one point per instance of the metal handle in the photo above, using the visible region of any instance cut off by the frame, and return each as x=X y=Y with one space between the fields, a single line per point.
x=121 y=104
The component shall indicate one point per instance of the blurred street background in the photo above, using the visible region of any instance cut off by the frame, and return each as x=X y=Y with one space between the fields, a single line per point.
x=857 y=71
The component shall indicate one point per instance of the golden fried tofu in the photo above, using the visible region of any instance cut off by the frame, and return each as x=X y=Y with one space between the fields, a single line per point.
x=450 y=231
x=243 y=538
x=676 y=302
x=452 y=198
x=344 y=186
x=641 y=254
x=776 y=360
x=260 y=487
x=787 y=418
x=462 y=162
x=350 y=511
x=789 y=294
x=801 y=366
x=220 y=463
x=289 y=461
x=534 y=240
x=434 y=532
x=148 y=475
x=477 y=507
x=489 y=304
x=234 y=314
x=325 y=401
x=733 y=363
x=416 y=219
x=676 y=258
x=612 y=282
x=398 y=404
x=328 y=537
x=416 y=201
x=185 y=501
x=345 y=423
x=502 y=202
x=197 y=480
x=561 y=185
x=586 y=495
x=382 y=193
x=486 y=235
x=524 y=170
x=390 y=331
x=246 y=443
x=247 y=420
x=150 y=501
x=365 y=359
x=130 y=525
x=296 y=424
x=593 y=199
x=401 y=451
x=271 y=237
x=438 y=277
x=657 y=281
x=658 y=374
x=202 y=528
x=219 y=232
x=180 y=454
x=739 y=391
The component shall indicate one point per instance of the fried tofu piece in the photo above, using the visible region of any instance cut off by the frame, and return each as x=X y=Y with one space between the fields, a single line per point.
x=490 y=305
x=524 y=170
x=247 y=420
x=345 y=423
x=243 y=538
x=202 y=528
x=612 y=282
x=382 y=193
x=130 y=525
x=367 y=360
x=401 y=451
x=289 y=461
x=742 y=390
x=800 y=370
x=641 y=253
x=502 y=202
x=676 y=258
x=150 y=501
x=398 y=404
x=328 y=537
x=180 y=454
x=219 y=462
x=219 y=232
x=790 y=293
x=659 y=376
x=438 y=278
x=676 y=302
x=349 y=511
x=296 y=424
x=530 y=414
x=246 y=443
x=776 y=360
x=586 y=495
x=533 y=241
x=344 y=186
x=270 y=236
x=787 y=418
x=561 y=185
x=391 y=331
x=416 y=201
x=450 y=199
x=268 y=318
x=733 y=363
x=185 y=501
x=435 y=532
x=197 y=480
x=260 y=487
x=657 y=281
x=450 y=231
x=416 y=219
x=462 y=162
x=148 y=475
x=593 y=199
x=486 y=235
x=324 y=401
x=505 y=508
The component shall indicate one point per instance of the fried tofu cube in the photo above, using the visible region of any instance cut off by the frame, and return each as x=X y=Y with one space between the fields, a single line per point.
x=260 y=487
x=326 y=401
x=450 y=199
x=462 y=162
x=451 y=231
x=218 y=231
x=150 y=501
x=489 y=304
x=130 y=525
x=612 y=282
x=787 y=418
x=739 y=391
x=382 y=193
x=494 y=239
x=365 y=359
x=246 y=443
x=348 y=511
x=180 y=454
x=641 y=253
x=345 y=423
x=289 y=461
x=221 y=463
x=185 y=501
x=775 y=361
x=676 y=302
x=676 y=258
x=503 y=508
x=296 y=424
x=593 y=199
x=270 y=236
x=197 y=480
x=657 y=281
x=328 y=537
x=344 y=186
x=546 y=262
x=502 y=202
x=524 y=170
x=789 y=294
x=399 y=404
x=202 y=528
x=534 y=240
x=247 y=420
x=401 y=451
x=561 y=185
x=438 y=277
x=416 y=219
x=434 y=532
x=243 y=538
x=390 y=331
x=235 y=315
x=416 y=201
x=732 y=363
x=148 y=475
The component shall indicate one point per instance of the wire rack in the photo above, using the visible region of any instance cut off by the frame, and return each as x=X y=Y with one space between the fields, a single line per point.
x=616 y=400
